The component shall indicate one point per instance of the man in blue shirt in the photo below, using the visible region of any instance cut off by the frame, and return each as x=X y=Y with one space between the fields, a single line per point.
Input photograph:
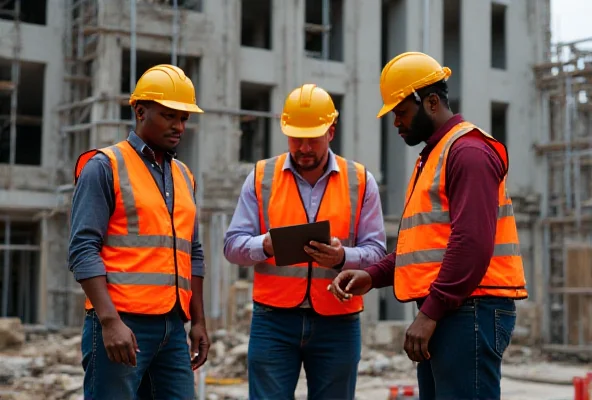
x=129 y=353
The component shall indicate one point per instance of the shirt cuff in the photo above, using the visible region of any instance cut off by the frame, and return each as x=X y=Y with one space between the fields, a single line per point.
x=198 y=269
x=80 y=275
x=256 y=249
x=352 y=259
x=375 y=273
x=433 y=307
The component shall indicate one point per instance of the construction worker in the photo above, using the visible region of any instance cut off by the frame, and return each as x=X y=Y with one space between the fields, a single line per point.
x=296 y=320
x=457 y=252
x=134 y=249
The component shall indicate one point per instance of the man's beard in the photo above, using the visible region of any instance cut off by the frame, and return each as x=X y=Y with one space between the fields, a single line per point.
x=422 y=127
x=310 y=167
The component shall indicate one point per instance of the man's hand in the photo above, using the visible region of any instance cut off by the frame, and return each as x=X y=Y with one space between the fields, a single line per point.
x=350 y=282
x=200 y=344
x=327 y=256
x=418 y=336
x=119 y=341
x=267 y=246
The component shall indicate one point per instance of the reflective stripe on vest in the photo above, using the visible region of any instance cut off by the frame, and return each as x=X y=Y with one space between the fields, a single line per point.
x=126 y=255
x=418 y=253
x=287 y=286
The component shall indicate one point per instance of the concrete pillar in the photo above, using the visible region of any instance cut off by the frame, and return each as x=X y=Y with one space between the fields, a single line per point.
x=52 y=88
x=220 y=87
x=288 y=48
x=361 y=128
x=475 y=61
x=106 y=83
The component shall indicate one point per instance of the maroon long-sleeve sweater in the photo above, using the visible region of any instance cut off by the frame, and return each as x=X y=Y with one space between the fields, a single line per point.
x=473 y=176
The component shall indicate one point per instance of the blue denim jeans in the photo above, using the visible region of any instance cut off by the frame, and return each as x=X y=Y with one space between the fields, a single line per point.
x=466 y=352
x=163 y=367
x=282 y=341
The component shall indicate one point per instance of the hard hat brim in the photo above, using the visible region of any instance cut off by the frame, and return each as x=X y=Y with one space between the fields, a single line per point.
x=305 y=133
x=177 y=105
x=386 y=108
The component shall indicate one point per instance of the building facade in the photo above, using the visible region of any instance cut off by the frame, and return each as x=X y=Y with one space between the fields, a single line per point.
x=79 y=62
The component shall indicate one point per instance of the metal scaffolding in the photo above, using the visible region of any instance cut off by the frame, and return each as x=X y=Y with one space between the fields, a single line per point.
x=565 y=84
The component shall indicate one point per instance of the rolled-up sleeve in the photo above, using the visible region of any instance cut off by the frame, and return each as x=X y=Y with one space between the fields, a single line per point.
x=198 y=267
x=92 y=205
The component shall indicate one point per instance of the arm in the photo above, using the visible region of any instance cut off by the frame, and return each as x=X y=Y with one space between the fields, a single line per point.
x=92 y=205
x=243 y=245
x=473 y=175
x=371 y=240
x=383 y=272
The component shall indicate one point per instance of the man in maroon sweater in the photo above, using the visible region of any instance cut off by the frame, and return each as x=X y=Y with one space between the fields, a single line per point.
x=463 y=327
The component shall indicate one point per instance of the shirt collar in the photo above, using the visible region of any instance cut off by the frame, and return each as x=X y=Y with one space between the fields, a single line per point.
x=331 y=166
x=142 y=148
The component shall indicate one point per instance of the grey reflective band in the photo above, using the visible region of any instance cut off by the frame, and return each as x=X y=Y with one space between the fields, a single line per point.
x=146 y=241
x=443 y=217
x=354 y=188
x=266 y=182
x=144 y=278
x=437 y=255
x=127 y=194
x=133 y=237
x=295 y=272
x=434 y=191
x=186 y=176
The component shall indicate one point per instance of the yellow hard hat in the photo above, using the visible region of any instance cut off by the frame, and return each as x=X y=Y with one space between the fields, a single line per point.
x=405 y=74
x=308 y=112
x=167 y=85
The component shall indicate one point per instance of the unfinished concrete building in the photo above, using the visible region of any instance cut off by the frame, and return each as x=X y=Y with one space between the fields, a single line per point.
x=565 y=84
x=67 y=68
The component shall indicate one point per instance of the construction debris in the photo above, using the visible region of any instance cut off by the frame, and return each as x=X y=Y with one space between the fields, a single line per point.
x=48 y=365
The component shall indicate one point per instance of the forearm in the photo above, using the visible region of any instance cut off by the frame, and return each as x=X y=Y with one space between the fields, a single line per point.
x=244 y=249
x=96 y=290
x=196 y=308
x=383 y=272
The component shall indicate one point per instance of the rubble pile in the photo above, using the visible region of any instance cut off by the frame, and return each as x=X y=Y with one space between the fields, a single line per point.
x=227 y=357
x=46 y=366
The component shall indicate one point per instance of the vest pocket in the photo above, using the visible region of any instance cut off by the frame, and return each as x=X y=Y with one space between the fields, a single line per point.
x=505 y=321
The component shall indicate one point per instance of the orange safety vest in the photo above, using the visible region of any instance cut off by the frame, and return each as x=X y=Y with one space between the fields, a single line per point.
x=147 y=251
x=425 y=228
x=280 y=205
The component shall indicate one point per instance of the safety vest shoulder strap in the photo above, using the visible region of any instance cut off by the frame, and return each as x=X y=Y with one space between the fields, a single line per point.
x=187 y=176
x=265 y=170
x=356 y=181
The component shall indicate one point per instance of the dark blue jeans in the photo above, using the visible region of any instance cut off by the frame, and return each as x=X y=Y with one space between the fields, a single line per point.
x=466 y=352
x=163 y=369
x=283 y=340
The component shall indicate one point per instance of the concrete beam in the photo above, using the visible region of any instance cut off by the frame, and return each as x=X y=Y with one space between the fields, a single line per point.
x=27 y=200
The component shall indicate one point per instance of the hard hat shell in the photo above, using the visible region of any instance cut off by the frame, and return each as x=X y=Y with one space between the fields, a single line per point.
x=405 y=74
x=167 y=85
x=308 y=112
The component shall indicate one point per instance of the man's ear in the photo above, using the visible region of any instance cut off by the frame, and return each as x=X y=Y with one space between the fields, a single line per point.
x=331 y=132
x=140 y=111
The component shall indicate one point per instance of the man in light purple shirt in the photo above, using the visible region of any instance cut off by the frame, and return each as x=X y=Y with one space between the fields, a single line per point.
x=284 y=339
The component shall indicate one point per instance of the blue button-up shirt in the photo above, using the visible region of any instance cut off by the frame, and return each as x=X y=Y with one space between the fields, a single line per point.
x=243 y=243
x=93 y=204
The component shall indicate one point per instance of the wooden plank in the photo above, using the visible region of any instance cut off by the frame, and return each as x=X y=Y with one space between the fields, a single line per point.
x=578 y=274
